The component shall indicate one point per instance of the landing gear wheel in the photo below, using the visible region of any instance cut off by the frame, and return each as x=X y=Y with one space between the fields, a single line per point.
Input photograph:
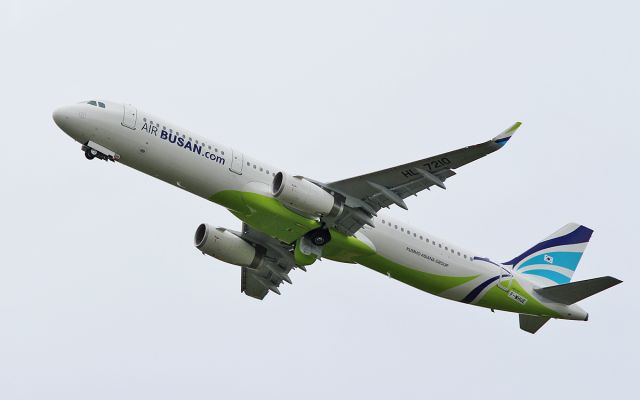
x=89 y=153
x=319 y=237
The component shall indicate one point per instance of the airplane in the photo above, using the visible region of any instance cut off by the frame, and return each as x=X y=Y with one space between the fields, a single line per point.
x=291 y=221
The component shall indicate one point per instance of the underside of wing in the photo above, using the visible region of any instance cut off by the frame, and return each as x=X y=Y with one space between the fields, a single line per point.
x=276 y=262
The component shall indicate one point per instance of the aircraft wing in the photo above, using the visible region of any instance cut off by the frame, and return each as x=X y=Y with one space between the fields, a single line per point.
x=373 y=191
x=277 y=262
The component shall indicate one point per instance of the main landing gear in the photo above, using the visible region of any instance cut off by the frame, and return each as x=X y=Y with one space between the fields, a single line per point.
x=319 y=236
x=312 y=244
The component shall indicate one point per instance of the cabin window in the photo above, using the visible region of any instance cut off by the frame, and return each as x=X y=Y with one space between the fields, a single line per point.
x=396 y=226
x=421 y=238
x=222 y=152
x=101 y=104
x=440 y=245
x=267 y=172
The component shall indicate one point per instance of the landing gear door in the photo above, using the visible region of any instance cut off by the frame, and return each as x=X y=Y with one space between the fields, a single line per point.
x=237 y=161
x=505 y=279
x=130 y=116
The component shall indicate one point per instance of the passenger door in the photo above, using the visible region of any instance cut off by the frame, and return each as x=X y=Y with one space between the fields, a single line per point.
x=129 y=117
x=237 y=161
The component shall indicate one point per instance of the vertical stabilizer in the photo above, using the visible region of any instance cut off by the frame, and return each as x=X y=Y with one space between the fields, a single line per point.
x=554 y=260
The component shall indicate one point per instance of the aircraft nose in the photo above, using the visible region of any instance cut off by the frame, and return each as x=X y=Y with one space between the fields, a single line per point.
x=61 y=117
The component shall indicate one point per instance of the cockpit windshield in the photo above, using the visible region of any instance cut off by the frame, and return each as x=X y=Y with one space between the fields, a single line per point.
x=95 y=103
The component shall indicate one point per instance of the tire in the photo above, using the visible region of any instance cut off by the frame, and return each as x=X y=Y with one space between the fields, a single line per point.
x=88 y=155
x=319 y=237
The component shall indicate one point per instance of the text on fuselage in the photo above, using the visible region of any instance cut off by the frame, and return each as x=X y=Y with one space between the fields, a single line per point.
x=426 y=256
x=182 y=142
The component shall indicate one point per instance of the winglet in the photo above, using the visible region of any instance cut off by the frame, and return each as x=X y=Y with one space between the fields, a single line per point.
x=504 y=137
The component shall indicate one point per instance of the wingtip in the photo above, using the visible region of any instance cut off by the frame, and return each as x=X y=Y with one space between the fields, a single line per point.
x=504 y=137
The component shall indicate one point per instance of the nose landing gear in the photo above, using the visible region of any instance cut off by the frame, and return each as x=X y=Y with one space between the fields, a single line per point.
x=93 y=150
x=90 y=153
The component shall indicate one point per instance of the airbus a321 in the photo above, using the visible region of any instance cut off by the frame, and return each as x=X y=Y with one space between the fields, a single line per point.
x=291 y=221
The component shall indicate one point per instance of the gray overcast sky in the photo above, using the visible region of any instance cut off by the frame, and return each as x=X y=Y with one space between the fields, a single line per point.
x=103 y=296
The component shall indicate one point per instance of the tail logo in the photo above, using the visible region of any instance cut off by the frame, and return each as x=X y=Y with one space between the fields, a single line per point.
x=556 y=257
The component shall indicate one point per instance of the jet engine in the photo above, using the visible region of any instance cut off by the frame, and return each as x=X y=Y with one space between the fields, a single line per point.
x=305 y=196
x=225 y=246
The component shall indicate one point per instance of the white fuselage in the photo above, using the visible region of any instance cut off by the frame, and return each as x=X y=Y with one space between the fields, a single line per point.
x=204 y=167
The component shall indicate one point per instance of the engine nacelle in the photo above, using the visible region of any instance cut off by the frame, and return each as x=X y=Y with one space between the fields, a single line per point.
x=304 y=195
x=225 y=246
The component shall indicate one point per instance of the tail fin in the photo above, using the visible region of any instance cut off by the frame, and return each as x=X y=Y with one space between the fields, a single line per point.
x=554 y=260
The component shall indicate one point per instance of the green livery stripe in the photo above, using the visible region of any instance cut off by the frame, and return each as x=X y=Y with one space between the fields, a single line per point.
x=269 y=216
x=499 y=299
x=431 y=283
x=265 y=214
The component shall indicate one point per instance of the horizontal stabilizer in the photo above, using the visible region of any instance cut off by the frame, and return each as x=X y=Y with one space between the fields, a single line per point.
x=570 y=293
x=531 y=323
